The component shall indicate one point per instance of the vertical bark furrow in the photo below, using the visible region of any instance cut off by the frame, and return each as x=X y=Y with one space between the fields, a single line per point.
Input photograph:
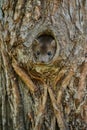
x=17 y=114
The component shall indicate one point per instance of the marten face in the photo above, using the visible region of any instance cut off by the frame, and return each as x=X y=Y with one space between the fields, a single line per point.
x=44 y=51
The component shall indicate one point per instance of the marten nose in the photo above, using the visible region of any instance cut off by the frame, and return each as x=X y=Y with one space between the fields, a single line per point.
x=43 y=59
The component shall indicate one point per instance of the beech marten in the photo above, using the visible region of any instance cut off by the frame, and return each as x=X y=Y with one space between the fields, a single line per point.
x=44 y=48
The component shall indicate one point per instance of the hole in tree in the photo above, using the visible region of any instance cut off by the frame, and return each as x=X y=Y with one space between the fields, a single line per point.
x=44 y=48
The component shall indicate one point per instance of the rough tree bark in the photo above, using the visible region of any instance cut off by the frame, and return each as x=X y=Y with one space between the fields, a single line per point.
x=37 y=96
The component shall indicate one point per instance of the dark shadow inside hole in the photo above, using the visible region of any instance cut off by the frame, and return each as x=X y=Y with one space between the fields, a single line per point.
x=45 y=38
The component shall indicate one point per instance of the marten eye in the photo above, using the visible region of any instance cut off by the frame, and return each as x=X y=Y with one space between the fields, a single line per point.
x=38 y=53
x=49 y=53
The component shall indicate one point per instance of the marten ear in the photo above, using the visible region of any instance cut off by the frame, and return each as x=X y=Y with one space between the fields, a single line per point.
x=35 y=43
x=53 y=43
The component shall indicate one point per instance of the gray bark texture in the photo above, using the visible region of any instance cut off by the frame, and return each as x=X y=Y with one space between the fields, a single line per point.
x=34 y=95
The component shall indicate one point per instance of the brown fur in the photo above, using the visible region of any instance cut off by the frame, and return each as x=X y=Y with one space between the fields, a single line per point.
x=44 y=49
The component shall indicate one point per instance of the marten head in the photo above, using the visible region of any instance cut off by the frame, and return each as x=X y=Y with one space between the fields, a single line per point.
x=44 y=49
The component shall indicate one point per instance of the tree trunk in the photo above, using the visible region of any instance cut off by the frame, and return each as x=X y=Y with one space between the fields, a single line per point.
x=36 y=96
